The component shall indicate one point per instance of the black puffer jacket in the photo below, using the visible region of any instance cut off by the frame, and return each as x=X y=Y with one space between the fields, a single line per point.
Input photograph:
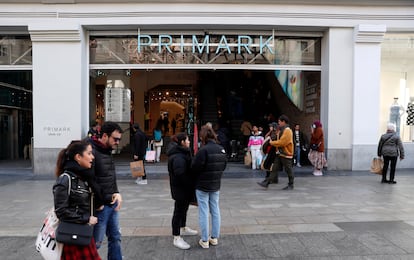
x=208 y=165
x=104 y=169
x=181 y=179
x=75 y=206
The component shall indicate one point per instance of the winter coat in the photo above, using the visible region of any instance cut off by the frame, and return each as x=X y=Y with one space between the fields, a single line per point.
x=75 y=206
x=317 y=138
x=208 y=165
x=302 y=139
x=182 y=182
x=104 y=169
x=390 y=145
x=140 y=144
x=284 y=144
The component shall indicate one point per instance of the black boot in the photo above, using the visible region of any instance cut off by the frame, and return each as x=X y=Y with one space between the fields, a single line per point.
x=264 y=184
x=289 y=187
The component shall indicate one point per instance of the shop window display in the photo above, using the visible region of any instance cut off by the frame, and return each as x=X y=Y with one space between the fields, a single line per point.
x=397 y=82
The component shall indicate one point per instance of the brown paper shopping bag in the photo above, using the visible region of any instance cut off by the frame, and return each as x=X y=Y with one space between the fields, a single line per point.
x=137 y=168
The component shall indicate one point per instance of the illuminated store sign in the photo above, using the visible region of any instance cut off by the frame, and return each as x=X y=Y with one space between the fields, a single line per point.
x=206 y=43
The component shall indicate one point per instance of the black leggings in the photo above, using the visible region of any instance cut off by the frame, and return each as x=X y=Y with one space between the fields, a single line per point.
x=179 y=218
x=387 y=160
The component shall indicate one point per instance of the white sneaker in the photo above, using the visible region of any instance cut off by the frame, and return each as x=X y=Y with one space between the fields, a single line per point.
x=213 y=241
x=143 y=182
x=138 y=180
x=317 y=173
x=186 y=231
x=203 y=244
x=299 y=165
x=180 y=243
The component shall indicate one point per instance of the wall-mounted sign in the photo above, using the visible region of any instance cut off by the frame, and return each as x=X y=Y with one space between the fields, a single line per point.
x=117 y=104
x=207 y=43
x=56 y=130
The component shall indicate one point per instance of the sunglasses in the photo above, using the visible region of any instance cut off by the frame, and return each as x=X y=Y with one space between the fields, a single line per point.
x=116 y=139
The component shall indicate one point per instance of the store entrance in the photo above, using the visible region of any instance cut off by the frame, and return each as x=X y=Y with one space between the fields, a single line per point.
x=178 y=99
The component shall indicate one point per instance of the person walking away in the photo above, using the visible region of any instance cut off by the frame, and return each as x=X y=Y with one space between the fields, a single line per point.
x=140 y=148
x=173 y=125
x=254 y=146
x=284 y=147
x=158 y=142
x=104 y=170
x=208 y=166
x=300 y=144
x=75 y=205
x=182 y=184
x=246 y=130
x=390 y=147
x=317 y=148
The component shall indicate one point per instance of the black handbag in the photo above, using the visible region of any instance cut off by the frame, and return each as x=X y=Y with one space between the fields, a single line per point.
x=70 y=233
x=315 y=147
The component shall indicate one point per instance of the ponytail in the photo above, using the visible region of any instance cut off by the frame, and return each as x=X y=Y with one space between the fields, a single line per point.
x=60 y=162
x=68 y=154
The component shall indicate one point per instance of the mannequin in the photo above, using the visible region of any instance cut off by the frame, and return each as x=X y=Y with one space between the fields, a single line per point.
x=396 y=111
x=410 y=117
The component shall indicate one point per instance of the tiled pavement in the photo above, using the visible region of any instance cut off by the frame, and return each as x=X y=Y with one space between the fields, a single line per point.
x=342 y=215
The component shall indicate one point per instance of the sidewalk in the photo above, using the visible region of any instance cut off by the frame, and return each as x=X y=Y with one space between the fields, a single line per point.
x=342 y=215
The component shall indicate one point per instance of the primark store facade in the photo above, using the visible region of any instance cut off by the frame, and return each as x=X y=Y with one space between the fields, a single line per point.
x=67 y=63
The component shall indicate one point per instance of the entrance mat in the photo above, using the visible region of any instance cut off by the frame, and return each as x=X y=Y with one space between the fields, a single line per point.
x=374 y=226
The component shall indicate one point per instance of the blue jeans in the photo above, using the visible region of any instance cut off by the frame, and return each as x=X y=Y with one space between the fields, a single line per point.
x=208 y=202
x=108 y=223
x=297 y=154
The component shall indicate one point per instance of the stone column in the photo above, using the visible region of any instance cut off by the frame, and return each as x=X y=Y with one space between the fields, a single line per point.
x=366 y=93
x=60 y=90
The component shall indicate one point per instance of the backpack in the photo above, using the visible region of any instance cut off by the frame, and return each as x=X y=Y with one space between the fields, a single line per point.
x=157 y=135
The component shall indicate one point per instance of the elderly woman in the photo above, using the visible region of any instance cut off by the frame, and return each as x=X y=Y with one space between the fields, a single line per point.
x=390 y=147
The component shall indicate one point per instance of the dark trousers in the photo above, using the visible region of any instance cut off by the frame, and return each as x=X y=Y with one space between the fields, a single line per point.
x=387 y=160
x=287 y=165
x=179 y=218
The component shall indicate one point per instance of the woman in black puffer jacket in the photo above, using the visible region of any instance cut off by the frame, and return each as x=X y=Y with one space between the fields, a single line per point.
x=208 y=165
x=72 y=170
x=182 y=187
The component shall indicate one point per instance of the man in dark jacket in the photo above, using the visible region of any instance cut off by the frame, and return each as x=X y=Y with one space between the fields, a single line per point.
x=104 y=169
x=140 y=148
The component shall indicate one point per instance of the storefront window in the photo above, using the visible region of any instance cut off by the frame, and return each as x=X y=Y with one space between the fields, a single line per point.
x=204 y=49
x=15 y=50
x=397 y=83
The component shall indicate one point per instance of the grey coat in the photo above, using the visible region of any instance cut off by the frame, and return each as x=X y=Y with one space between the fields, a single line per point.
x=390 y=145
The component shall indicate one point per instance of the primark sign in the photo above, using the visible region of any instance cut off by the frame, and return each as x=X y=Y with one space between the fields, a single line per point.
x=200 y=44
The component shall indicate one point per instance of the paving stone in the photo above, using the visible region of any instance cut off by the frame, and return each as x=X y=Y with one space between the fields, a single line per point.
x=344 y=215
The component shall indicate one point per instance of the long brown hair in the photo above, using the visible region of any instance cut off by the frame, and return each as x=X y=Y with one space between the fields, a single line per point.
x=68 y=154
x=207 y=133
